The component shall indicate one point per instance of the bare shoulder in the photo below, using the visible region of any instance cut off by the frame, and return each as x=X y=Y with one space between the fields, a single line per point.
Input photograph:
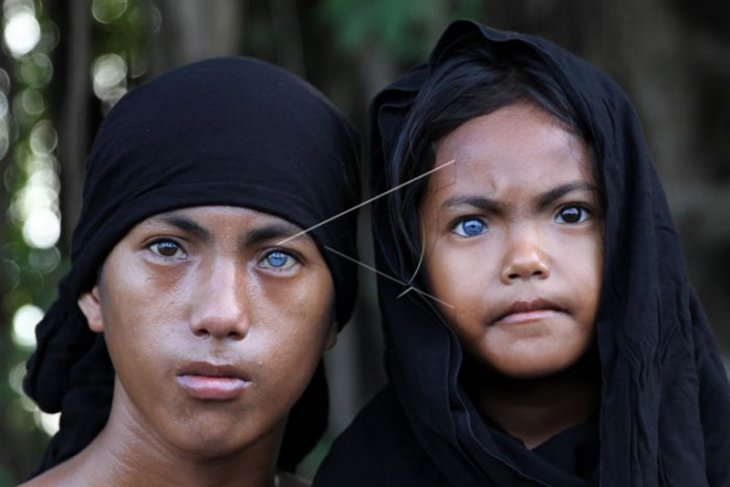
x=284 y=479
x=65 y=474
x=51 y=478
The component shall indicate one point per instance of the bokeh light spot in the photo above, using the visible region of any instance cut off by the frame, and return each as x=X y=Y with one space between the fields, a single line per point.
x=4 y=141
x=50 y=423
x=36 y=70
x=24 y=322
x=32 y=102
x=4 y=81
x=109 y=77
x=15 y=377
x=106 y=11
x=3 y=105
x=42 y=229
x=43 y=138
x=22 y=32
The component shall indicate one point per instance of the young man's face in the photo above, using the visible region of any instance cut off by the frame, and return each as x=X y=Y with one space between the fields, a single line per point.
x=513 y=241
x=213 y=328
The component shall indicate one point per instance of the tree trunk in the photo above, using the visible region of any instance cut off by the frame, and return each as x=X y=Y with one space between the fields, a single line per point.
x=73 y=122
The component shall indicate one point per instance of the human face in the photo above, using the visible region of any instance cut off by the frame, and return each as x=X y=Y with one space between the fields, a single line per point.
x=513 y=241
x=214 y=329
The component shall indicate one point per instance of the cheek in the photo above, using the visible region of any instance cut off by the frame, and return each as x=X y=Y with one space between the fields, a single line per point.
x=583 y=268
x=137 y=311
x=299 y=315
x=460 y=281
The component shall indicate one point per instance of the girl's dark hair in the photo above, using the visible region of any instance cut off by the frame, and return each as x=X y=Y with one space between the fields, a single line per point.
x=473 y=81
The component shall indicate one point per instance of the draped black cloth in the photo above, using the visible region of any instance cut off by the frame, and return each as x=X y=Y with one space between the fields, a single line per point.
x=664 y=416
x=226 y=131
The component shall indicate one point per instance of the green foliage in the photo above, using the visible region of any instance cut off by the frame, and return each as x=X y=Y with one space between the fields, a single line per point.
x=406 y=28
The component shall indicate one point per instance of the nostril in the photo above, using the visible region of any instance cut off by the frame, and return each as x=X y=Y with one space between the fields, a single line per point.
x=201 y=332
x=235 y=335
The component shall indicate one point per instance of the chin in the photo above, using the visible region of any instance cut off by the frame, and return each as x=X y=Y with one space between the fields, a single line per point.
x=206 y=447
x=535 y=369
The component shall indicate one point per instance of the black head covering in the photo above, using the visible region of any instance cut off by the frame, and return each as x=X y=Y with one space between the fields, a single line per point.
x=664 y=415
x=227 y=131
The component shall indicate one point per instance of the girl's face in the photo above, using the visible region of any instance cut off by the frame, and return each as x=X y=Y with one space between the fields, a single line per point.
x=214 y=328
x=513 y=242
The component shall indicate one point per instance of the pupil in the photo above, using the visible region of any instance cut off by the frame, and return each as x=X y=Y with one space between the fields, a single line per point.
x=276 y=259
x=571 y=215
x=167 y=249
x=472 y=227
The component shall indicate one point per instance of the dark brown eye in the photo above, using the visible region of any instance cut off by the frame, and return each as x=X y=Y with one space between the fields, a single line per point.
x=168 y=249
x=572 y=214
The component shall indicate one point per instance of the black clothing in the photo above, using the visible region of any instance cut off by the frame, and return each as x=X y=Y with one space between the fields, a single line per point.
x=227 y=131
x=664 y=416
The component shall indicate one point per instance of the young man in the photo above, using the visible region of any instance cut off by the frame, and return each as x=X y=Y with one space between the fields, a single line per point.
x=184 y=348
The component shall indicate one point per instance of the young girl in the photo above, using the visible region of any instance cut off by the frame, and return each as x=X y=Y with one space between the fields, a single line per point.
x=185 y=344
x=546 y=333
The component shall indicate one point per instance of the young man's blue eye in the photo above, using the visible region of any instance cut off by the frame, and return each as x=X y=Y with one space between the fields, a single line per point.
x=470 y=227
x=572 y=214
x=278 y=260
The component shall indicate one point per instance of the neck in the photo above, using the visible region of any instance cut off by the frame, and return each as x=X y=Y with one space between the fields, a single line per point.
x=533 y=410
x=129 y=453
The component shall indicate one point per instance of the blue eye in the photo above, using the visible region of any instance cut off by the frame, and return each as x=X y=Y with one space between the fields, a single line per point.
x=168 y=249
x=470 y=227
x=277 y=259
x=572 y=214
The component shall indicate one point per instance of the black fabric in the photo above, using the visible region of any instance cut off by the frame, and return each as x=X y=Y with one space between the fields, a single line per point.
x=226 y=131
x=664 y=416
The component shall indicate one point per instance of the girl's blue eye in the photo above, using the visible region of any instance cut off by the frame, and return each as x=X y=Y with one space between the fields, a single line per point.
x=572 y=214
x=277 y=259
x=168 y=249
x=470 y=227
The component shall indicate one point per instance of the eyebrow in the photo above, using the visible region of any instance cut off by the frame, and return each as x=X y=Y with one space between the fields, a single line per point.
x=482 y=203
x=558 y=192
x=277 y=230
x=268 y=231
x=187 y=225
x=490 y=205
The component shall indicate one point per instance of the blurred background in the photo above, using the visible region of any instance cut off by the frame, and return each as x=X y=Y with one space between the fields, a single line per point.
x=64 y=63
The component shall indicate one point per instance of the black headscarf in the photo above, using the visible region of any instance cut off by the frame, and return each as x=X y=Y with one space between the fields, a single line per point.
x=227 y=131
x=664 y=416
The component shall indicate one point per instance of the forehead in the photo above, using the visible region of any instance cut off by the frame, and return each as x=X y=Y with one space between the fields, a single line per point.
x=514 y=147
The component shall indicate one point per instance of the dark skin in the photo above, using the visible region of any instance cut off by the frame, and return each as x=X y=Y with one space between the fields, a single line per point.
x=214 y=330
x=514 y=252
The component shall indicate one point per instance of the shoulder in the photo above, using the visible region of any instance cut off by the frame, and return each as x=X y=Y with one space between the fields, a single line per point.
x=58 y=476
x=377 y=449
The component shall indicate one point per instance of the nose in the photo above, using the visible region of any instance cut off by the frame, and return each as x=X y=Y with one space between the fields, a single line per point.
x=525 y=257
x=219 y=302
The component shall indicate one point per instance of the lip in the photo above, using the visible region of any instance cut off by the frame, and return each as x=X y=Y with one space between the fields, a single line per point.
x=206 y=381
x=527 y=311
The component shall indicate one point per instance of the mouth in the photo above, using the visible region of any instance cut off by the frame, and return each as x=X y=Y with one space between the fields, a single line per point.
x=210 y=382
x=527 y=311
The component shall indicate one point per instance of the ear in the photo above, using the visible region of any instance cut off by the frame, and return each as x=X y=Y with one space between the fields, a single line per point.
x=91 y=307
x=332 y=336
